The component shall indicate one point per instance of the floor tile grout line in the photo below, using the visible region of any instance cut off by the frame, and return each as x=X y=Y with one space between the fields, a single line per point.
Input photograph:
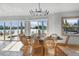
x=7 y=45
x=12 y=46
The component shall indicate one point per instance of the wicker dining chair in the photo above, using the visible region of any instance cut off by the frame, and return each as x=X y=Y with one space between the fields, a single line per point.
x=37 y=48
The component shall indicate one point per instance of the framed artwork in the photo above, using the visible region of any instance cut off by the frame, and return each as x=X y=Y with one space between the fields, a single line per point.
x=70 y=25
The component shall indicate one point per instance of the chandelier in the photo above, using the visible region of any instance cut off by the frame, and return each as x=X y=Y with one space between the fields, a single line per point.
x=38 y=12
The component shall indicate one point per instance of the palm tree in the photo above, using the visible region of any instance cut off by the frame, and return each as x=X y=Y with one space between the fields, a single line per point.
x=78 y=27
x=66 y=26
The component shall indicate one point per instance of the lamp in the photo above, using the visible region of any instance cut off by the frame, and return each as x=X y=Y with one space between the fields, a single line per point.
x=38 y=12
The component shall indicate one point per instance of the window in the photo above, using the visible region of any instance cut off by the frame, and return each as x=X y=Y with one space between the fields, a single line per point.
x=14 y=30
x=40 y=26
x=34 y=27
x=9 y=30
x=1 y=30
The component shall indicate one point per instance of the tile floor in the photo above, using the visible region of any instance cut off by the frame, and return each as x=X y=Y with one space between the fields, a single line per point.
x=10 y=48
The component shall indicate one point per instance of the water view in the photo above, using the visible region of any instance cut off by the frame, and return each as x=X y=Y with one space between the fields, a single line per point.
x=9 y=30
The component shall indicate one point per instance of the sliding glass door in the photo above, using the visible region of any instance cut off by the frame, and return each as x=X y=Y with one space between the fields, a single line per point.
x=34 y=27
x=1 y=30
x=14 y=30
x=38 y=27
x=9 y=30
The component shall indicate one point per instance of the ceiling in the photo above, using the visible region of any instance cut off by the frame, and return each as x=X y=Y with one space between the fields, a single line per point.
x=14 y=9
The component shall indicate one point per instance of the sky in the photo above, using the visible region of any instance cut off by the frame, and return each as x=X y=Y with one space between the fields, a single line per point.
x=72 y=21
x=35 y=23
x=15 y=23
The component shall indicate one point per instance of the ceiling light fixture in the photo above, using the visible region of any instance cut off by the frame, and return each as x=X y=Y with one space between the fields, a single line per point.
x=38 y=12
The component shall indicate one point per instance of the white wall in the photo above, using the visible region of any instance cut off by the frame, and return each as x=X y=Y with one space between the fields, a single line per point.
x=55 y=25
